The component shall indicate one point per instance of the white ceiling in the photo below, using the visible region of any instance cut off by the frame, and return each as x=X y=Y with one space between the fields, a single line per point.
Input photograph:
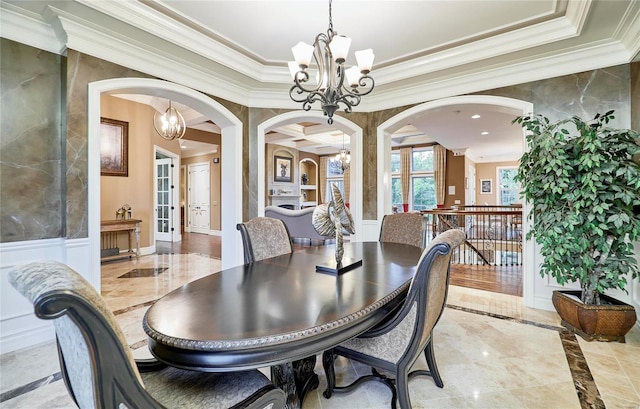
x=425 y=50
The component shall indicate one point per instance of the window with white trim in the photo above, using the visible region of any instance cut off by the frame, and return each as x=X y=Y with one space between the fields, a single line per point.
x=422 y=183
x=335 y=175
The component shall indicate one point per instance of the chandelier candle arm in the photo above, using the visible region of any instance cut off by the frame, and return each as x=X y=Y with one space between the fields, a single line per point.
x=335 y=85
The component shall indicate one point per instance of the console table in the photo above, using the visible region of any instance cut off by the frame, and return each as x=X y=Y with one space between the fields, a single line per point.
x=128 y=225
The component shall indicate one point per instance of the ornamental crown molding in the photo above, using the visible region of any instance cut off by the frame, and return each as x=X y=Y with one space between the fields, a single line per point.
x=217 y=69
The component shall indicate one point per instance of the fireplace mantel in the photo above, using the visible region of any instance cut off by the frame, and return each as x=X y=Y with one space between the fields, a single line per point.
x=277 y=200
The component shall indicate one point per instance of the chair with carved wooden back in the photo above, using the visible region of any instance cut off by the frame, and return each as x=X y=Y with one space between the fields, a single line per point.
x=404 y=228
x=396 y=345
x=97 y=366
x=264 y=237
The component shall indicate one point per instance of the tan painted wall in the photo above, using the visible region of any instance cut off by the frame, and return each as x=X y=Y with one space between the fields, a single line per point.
x=136 y=189
x=488 y=171
x=455 y=177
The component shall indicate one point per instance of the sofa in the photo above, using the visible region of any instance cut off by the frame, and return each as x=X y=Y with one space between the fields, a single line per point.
x=298 y=223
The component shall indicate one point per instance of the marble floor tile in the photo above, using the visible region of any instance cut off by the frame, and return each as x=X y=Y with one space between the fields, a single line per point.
x=491 y=351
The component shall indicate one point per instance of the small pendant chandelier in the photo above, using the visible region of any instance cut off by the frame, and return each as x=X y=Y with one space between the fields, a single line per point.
x=170 y=125
x=335 y=84
x=343 y=158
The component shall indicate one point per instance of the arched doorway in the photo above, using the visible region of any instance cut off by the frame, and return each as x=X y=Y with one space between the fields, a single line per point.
x=386 y=129
x=339 y=123
x=231 y=130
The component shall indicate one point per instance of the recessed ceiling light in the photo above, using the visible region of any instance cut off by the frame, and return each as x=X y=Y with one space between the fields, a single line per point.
x=476 y=116
x=484 y=133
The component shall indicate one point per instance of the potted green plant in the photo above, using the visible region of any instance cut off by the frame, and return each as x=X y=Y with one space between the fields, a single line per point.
x=583 y=184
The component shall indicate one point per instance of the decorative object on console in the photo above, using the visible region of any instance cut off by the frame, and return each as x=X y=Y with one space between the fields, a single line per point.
x=124 y=212
x=329 y=51
x=332 y=218
x=170 y=125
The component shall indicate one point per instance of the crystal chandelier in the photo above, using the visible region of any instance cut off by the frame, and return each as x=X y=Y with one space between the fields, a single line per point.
x=169 y=125
x=334 y=84
x=343 y=158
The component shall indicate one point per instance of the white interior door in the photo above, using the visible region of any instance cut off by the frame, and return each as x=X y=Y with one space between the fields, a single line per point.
x=164 y=206
x=199 y=198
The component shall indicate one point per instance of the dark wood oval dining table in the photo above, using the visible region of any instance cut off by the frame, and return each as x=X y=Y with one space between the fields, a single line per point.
x=279 y=312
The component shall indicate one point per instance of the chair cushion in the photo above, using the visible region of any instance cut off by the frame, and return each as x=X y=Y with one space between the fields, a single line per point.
x=405 y=228
x=269 y=237
x=389 y=346
x=178 y=388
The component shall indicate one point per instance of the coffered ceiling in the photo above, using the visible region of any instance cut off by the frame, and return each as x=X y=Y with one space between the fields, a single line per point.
x=425 y=50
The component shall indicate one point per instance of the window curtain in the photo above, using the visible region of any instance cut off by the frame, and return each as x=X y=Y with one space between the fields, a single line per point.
x=346 y=180
x=322 y=183
x=405 y=176
x=439 y=167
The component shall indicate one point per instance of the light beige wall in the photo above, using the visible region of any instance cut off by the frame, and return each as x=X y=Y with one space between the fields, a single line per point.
x=136 y=189
x=488 y=171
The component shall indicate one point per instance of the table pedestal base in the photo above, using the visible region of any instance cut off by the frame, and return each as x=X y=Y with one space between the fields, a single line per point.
x=296 y=380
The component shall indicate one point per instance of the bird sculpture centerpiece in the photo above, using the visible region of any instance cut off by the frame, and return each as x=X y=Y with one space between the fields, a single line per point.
x=331 y=219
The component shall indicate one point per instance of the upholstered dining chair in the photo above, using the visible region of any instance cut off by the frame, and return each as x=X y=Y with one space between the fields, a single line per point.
x=396 y=345
x=264 y=237
x=98 y=367
x=404 y=228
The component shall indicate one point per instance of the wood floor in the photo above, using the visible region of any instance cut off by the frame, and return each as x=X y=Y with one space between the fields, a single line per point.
x=193 y=243
x=498 y=279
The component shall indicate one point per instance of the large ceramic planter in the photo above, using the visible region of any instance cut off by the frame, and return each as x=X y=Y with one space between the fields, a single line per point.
x=594 y=322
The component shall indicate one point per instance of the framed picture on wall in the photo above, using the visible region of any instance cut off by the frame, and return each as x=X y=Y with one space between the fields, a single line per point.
x=282 y=169
x=486 y=186
x=114 y=147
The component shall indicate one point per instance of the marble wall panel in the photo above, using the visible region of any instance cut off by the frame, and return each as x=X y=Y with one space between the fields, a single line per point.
x=82 y=69
x=583 y=94
x=31 y=157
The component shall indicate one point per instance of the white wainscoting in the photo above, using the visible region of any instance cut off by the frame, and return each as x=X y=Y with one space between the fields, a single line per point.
x=19 y=327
